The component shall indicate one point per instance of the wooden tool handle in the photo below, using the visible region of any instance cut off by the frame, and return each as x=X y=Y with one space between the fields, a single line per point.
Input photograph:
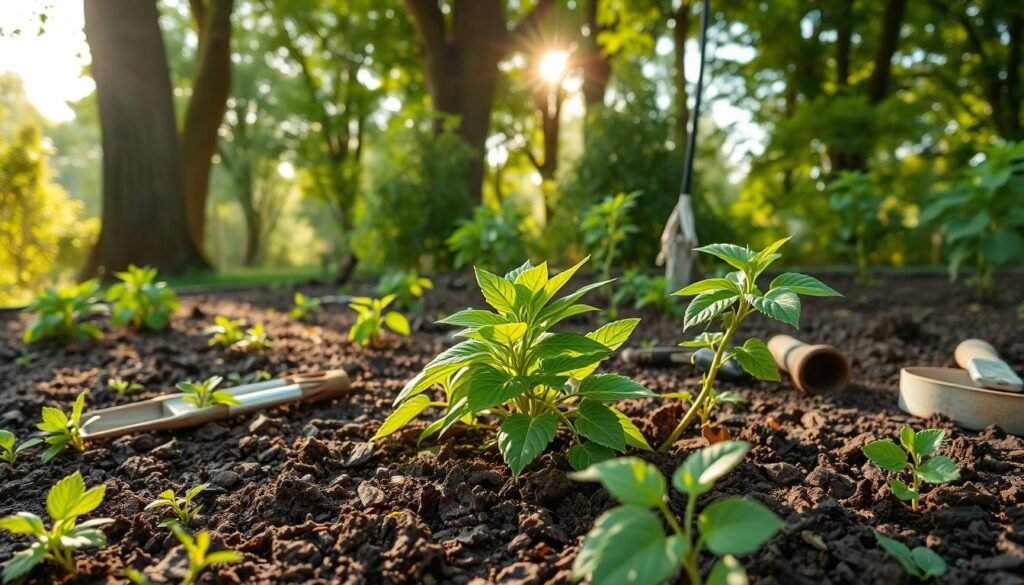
x=975 y=348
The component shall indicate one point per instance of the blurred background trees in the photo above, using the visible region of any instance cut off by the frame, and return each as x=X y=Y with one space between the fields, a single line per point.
x=427 y=134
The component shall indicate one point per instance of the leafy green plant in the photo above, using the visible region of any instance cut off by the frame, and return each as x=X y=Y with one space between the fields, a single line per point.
x=493 y=238
x=407 y=287
x=66 y=501
x=238 y=379
x=138 y=300
x=199 y=556
x=981 y=218
x=123 y=387
x=24 y=358
x=511 y=368
x=916 y=454
x=255 y=339
x=369 y=325
x=921 y=563
x=203 y=394
x=305 y=307
x=729 y=301
x=607 y=224
x=641 y=290
x=183 y=508
x=62 y=430
x=628 y=544
x=9 y=449
x=225 y=332
x=857 y=205
x=60 y=313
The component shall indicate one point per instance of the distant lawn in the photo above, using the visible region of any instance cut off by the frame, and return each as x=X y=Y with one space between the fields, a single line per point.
x=251 y=277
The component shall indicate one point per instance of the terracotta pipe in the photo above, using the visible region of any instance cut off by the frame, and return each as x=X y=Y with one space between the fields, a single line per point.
x=815 y=369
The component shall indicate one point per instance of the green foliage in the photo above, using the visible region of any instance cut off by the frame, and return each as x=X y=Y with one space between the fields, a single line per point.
x=9 y=449
x=730 y=300
x=183 y=508
x=199 y=556
x=407 y=287
x=641 y=290
x=628 y=544
x=981 y=219
x=60 y=313
x=231 y=334
x=255 y=339
x=924 y=467
x=369 y=325
x=921 y=563
x=606 y=225
x=138 y=300
x=855 y=201
x=513 y=368
x=66 y=501
x=61 y=430
x=305 y=308
x=203 y=394
x=495 y=237
x=123 y=387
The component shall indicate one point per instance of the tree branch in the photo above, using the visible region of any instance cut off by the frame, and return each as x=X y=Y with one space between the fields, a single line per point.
x=530 y=23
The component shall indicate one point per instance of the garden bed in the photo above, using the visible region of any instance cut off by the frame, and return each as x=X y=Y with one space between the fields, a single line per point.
x=304 y=495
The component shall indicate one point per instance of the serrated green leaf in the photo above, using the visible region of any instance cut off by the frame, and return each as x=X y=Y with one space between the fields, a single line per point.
x=907 y=438
x=756 y=359
x=534 y=278
x=521 y=438
x=887 y=455
x=702 y=469
x=64 y=496
x=23 y=561
x=780 y=304
x=735 y=256
x=505 y=334
x=23 y=523
x=939 y=469
x=556 y=282
x=705 y=306
x=630 y=480
x=612 y=387
x=902 y=491
x=706 y=339
x=565 y=364
x=583 y=455
x=54 y=420
x=560 y=344
x=628 y=545
x=614 y=334
x=513 y=274
x=634 y=438
x=708 y=285
x=498 y=292
x=473 y=318
x=928 y=441
x=737 y=526
x=598 y=423
x=488 y=386
x=802 y=284
x=445 y=364
x=402 y=415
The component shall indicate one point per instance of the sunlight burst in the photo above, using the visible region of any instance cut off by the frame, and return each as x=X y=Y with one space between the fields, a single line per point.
x=553 y=66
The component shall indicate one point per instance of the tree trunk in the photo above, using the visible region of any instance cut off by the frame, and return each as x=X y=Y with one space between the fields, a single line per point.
x=206 y=107
x=888 y=42
x=679 y=35
x=143 y=219
x=596 y=64
x=844 y=44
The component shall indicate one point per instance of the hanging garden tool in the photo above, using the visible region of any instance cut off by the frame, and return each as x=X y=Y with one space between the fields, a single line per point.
x=174 y=412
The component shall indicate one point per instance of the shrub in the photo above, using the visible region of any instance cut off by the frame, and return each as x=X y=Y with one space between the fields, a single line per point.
x=60 y=313
x=857 y=205
x=606 y=225
x=494 y=238
x=924 y=467
x=138 y=300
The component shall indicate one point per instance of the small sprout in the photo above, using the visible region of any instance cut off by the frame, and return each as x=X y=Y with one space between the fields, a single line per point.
x=628 y=544
x=24 y=358
x=225 y=332
x=137 y=577
x=140 y=301
x=183 y=508
x=60 y=312
x=238 y=379
x=921 y=563
x=923 y=468
x=371 y=321
x=202 y=394
x=67 y=500
x=607 y=224
x=123 y=387
x=9 y=452
x=305 y=308
x=199 y=557
x=407 y=287
x=62 y=430
x=255 y=340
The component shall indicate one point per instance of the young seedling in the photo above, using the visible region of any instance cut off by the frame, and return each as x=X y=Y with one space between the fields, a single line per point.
x=628 y=544
x=371 y=321
x=59 y=313
x=730 y=300
x=258 y=376
x=123 y=387
x=407 y=287
x=607 y=224
x=225 y=332
x=9 y=449
x=921 y=563
x=202 y=394
x=512 y=369
x=67 y=500
x=62 y=430
x=255 y=339
x=305 y=308
x=24 y=358
x=199 y=555
x=924 y=468
x=140 y=301
x=183 y=508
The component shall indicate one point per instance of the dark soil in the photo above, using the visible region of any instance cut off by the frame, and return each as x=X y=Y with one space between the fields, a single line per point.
x=307 y=499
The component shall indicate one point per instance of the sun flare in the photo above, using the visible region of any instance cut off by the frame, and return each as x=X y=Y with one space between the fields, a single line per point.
x=553 y=66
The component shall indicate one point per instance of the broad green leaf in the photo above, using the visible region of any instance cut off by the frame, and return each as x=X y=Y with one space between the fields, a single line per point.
x=224 y=557
x=513 y=274
x=729 y=398
x=612 y=336
x=930 y=563
x=907 y=439
x=629 y=547
x=583 y=455
x=557 y=310
x=702 y=469
x=939 y=469
x=397 y=323
x=634 y=438
x=737 y=526
x=445 y=364
x=560 y=344
x=402 y=415
x=780 y=304
x=959 y=228
x=64 y=496
x=598 y=423
x=630 y=480
x=522 y=438
x=735 y=256
x=565 y=364
x=534 y=278
x=556 y=282
x=705 y=339
x=708 y=285
x=756 y=359
x=728 y=571
x=498 y=292
x=612 y=387
x=54 y=420
x=504 y=334
x=23 y=523
x=488 y=386
x=928 y=441
x=887 y=455
x=86 y=536
x=89 y=501
x=802 y=284
x=705 y=306
x=23 y=561
x=7 y=440
x=473 y=319
x=898 y=551
x=902 y=491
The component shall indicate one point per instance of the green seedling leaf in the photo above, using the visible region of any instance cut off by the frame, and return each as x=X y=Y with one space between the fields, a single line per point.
x=706 y=306
x=702 y=469
x=939 y=470
x=929 y=562
x=634 y=438
x=737 y=526
x=756 y=359
x=708 y=285
x=598 y=423
x=402 y=415
x=735 y=256
x=728 y=571
x=630 y=480
x=498 y=292
x=900 y=552
x=907 y=439
x=780 y=304
x=522 y=438
x=473 y=319
x=887 y=455
x=902 y=491
x=583 y=455
x=928 y=441
x=649 y=558
x=397 y=323
x=612 y=387
x=802 y=284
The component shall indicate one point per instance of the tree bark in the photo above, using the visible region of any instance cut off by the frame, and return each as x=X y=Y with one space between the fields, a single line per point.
x=888 y=42
x=595 y=62
x=143 y=218
x=844 y=44
x=680 y=33
x=206 y=107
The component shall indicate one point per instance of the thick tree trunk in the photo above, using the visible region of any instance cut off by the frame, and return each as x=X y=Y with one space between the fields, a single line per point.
x=680 y=33
x=844 y=44
x=596 y=64
x=206 y=107
x=143 y=219
x=888 y=42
